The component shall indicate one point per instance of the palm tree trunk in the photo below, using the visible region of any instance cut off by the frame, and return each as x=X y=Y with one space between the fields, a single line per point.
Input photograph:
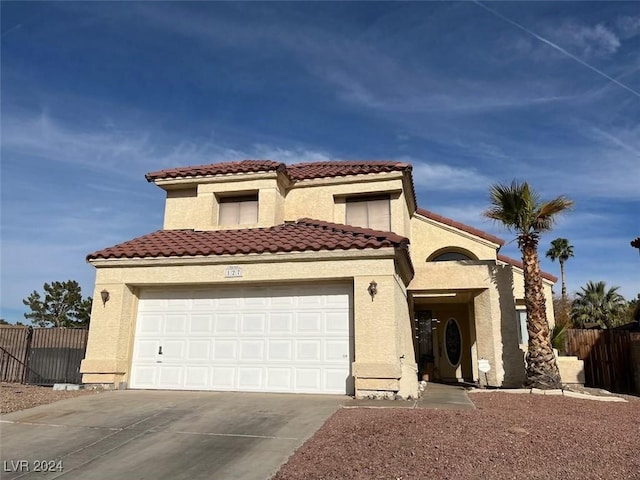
x=564 y=284
x=541 y=367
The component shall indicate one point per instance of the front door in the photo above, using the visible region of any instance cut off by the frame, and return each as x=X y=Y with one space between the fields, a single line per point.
x=451 y=349
x=425 y=327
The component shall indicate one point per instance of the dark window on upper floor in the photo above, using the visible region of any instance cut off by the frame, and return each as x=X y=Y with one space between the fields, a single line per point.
x=450 y=256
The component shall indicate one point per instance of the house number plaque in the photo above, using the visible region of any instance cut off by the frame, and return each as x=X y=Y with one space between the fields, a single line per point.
x=233 y=271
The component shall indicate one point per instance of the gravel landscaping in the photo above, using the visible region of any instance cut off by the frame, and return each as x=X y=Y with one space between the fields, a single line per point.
x=508 y=436
x=15 y=396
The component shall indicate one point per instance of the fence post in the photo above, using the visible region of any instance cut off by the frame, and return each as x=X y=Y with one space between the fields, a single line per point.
x=27 y=354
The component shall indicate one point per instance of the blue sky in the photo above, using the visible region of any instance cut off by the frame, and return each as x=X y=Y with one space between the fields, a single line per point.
x=94 y=95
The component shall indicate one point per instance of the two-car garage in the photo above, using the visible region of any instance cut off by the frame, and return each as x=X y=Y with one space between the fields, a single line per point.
x=296 y=339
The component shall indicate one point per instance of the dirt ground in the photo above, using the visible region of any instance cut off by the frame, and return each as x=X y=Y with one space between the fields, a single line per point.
x=508 y=436
x=14 y=396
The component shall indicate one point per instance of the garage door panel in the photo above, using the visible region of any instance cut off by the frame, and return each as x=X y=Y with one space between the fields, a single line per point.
x=227 y=323
x=147 y=350
x=178 y=304
x=337 y=301
x=277 y=339
x=335 y=381
x=150 y=324
x=280 y=351
x=279 y=379
x=282 y=297
x=308 y=350
x=256 y=299
x=250 y=378
x=309 y=323
x=197 y=378
x=144 y=375
x=201 y=324
x=336 y=350
x=253 y=323
x=229 y=302
x=170 y=376
x=173 y=350
x=252 y=350
x=281 y=323
x=199 y=350
x=225 y=350
x=175 y=324
x=335 y=324
x=224 y=378
x=310 y=301
x=308 y=380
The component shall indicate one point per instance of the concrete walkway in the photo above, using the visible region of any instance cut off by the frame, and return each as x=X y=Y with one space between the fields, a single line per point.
x=436 y=396
x=445 y=397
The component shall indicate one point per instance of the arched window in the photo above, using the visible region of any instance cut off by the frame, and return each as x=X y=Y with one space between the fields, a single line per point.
x=449 y=254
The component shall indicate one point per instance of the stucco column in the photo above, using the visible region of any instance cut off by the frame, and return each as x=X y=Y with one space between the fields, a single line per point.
x=377 y=366
x=487 y=317
x=108 y=348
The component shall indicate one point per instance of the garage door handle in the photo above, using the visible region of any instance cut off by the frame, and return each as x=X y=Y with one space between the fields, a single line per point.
x=159 y=350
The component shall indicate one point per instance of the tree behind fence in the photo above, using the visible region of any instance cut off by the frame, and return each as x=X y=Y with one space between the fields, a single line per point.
x=611 y=358
x=42 y=356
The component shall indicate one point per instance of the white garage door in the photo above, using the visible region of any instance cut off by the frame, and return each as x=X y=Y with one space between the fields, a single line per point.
x=277 y=339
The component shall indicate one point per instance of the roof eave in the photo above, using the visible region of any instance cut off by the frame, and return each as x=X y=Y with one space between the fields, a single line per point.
x=244 y=258
x=486 y=239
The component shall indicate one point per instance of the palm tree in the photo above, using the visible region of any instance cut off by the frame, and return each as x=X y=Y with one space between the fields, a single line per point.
x=596 y=303
x=520 y=210
x=561 y=250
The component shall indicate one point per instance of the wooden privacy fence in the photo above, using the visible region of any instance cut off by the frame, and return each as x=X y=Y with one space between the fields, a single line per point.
x=41 y=356
x=611 y=358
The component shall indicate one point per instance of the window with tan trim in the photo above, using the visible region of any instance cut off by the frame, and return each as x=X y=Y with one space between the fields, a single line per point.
x=240 y=210
x=521 y=319
x=369 y=212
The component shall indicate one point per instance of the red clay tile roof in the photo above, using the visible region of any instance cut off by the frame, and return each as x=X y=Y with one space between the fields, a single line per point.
x=304 y=235
x=298 y=171
x=460 y=226
x=519 y=264
x=305 y=171
x=244 y=166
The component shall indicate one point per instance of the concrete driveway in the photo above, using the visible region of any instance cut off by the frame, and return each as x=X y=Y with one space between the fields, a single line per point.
x=161 y=435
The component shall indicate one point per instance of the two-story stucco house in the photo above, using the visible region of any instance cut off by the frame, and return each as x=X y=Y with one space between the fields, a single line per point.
x=312 y=278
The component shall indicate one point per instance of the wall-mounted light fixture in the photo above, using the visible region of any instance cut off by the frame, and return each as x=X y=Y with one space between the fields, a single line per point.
x=104 y=294
x=373 y=289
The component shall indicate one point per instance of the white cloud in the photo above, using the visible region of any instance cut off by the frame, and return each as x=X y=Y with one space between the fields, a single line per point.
x=42 y=137
x=440 y=177
x=628 y=26
x=591 y=41
x=129 y=152
x=468 y=213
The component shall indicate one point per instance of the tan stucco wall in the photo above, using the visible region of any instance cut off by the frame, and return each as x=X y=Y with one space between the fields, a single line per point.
x=428 y=236
x=408 y=387
x=324 y=199
x=382 y=330
x=571 y=369
x=201 y=211
x=321 y=199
